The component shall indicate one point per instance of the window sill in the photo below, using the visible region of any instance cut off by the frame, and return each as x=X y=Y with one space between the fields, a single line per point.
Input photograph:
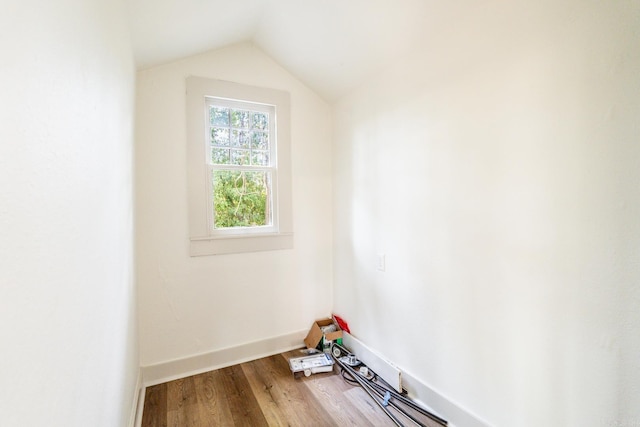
x=240 y=244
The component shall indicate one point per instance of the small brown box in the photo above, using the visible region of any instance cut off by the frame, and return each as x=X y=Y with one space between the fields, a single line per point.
x=315 y=334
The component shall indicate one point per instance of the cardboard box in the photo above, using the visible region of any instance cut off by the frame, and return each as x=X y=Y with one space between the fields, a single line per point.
x=315 y=335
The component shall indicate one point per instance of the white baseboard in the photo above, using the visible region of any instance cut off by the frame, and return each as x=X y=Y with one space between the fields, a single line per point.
x=136 y=407
x=382 y=367
x=417 y=390
x=442 y=406
x=425 y=395
x=197 y=364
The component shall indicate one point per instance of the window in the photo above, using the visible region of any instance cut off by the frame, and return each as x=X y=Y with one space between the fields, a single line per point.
x=242 y=166
x=238 y=168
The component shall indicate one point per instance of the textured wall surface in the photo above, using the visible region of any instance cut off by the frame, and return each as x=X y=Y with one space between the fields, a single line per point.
x=67 y=297
x=498 y=172
x=190 y=306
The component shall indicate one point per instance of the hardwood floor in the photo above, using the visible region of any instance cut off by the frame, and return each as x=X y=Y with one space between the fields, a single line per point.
x=261 y=393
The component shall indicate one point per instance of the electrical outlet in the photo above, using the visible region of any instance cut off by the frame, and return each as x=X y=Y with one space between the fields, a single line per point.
x=381 y=262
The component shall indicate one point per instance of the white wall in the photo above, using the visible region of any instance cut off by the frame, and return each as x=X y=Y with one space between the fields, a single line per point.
x=499 y=173
x=191 y=306
x=67 y=301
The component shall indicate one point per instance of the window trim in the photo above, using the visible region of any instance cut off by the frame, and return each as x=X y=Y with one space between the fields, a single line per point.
x=202 y=241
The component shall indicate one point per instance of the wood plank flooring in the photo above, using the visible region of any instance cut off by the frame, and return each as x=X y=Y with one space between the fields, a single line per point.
x=261 y=393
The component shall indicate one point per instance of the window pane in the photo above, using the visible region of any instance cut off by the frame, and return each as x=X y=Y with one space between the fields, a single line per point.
x=239 y=157
x=240 y=138
x=241 y=199
x=240 y=119
x=260 y=121
x=219 y=116
x=220 y=136
x=260 y=140
x=259 y=158
x=220 y=156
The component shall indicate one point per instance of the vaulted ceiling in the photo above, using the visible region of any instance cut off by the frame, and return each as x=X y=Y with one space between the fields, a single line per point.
x=330 y=45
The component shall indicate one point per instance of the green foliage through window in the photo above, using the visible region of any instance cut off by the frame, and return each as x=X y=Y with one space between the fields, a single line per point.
x=241 y=159
x=240 y=198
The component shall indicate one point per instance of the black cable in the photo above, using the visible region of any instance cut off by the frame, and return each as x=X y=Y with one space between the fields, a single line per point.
x=409 y=403
x=363 y=384
x=381 y=390
x=351 y=381
x=401 y=397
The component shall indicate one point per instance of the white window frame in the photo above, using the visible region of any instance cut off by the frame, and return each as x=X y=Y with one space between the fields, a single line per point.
x=204 y=240
x=272 y=168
